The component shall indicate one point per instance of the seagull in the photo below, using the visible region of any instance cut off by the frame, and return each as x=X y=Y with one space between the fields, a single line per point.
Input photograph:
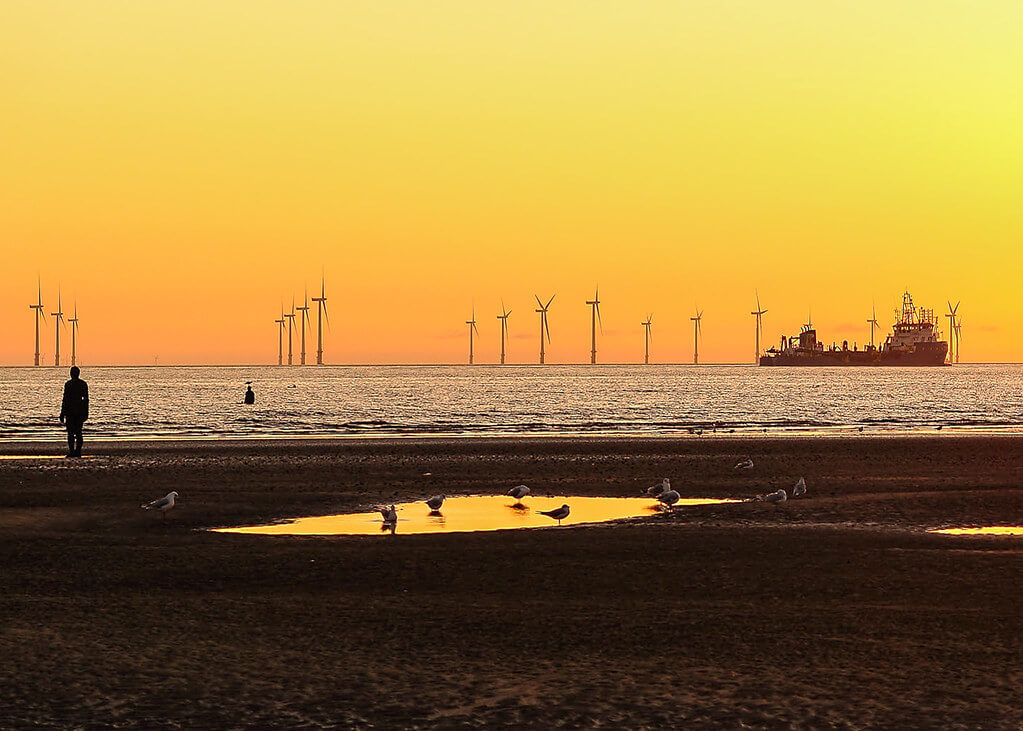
x=800 y=489
x=559 y=514
x=435 y=502
x=746 y=464
x=668 y=499
x=662 y=486
x=390 y=515
x=518 y=492
x=163 y=504
x=778 y=496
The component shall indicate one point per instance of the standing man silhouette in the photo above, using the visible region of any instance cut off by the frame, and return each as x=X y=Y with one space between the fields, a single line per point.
x=74 y=410
x=250 y=397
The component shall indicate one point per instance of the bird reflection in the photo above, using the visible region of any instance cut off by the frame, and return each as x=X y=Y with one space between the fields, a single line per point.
x=388 y=528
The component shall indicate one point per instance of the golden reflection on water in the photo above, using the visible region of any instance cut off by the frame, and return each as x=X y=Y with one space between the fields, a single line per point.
x=991 y=530
x=35 y=456
x=471 y=513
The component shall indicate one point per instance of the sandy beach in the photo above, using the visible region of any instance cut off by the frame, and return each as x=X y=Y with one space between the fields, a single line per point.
x=838 y=610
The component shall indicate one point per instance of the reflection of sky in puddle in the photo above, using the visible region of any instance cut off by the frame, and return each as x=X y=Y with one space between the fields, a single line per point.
x=473 y=513
x=39 y=456
x=991 y=530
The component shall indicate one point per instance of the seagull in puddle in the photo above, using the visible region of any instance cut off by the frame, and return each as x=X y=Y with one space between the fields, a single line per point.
x=662 y=486
x=558 y=514
x=668 y=498
x=435 y=502
x=518 y=492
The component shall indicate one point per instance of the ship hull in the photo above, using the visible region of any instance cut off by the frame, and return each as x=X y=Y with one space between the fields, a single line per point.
x=925 y=354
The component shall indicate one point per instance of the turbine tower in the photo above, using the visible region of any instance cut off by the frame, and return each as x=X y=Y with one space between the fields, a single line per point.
x=646 y=339
x=321 y=313
x=759 y=314
x=304 y=309
x=58 y=320
x=40 y=314
x=504 y=328
x=953 y=333
x=74 y=333
x=290 y=316
x=873 y=323
x=594 y=319
x=472 y=329
x=959 y=335
x=697 y=332
x=544 y=327
x=280 y=337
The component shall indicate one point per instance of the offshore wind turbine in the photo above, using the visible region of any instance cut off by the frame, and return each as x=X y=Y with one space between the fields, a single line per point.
x=646 y=338
x=58 y=320
x=594 y=319
x=40 y=314
x=74 y=332
x=697 y=332
x=290 y=316
x=472 y=329
x=304 y=309
x=873 y=323
x=953 y=335
x=959 y=335
x=321 y=312
x=759 y=314
x=280 y=337
x=544 y=326
x=503 y=317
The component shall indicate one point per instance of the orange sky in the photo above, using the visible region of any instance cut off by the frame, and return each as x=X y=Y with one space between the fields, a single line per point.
x=180 y=168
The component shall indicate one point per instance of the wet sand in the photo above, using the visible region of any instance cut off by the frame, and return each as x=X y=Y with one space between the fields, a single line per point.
x=838 y=610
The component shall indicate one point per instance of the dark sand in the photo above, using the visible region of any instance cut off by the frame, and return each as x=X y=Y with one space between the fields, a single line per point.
x=833 y=611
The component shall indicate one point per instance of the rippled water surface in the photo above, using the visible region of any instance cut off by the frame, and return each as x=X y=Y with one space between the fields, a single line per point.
x=462 y=400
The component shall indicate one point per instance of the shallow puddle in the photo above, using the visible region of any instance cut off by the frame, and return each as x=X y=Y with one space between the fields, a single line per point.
x=40 y=456
x=991 y=530
x=471 y=513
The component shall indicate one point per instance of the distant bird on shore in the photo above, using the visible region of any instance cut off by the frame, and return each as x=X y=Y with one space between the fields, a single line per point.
x=558 y=514
x=435 y=502
x=163 y=504
x=800 y=489
x=746 y=464
x=518 y=492
x=389 y=514
x=778 y=496
x=668 y=498
x=662 y=486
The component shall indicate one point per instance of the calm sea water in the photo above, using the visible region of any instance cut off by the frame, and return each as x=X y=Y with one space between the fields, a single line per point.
x=205 y=402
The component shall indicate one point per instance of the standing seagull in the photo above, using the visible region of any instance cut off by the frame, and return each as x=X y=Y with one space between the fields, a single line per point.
x=434 y=503
x=518 y=492
x=163 y=504
x=800 y=489
x=558 y=514
x=746 y=464
x=661 y=487
x=668 y=498
x=389 y=514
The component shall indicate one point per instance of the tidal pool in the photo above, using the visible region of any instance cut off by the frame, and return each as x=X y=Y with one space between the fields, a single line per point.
x=991 y=530
x=471 y=513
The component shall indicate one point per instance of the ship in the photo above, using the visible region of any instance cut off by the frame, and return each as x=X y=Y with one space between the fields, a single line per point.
x=914 y=341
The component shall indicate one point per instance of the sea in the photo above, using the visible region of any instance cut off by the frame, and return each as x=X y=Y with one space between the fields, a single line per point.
x=204 y=402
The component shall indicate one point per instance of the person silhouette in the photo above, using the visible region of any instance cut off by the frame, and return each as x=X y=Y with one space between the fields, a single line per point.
x=250 y=397
x=74 y=410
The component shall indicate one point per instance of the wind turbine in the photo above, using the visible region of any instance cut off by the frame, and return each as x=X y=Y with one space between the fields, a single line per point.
x=646 y=339
x=58 y=320
x=873 y=323
x=759 y=314
x=953 y=334
x=38 y=307
x=74 y=332
x=321 y=312
x=594 y=319
x=472 y=329
x=959 y=335
x=304 y=309
x=291 y=323
x=697 y=331
x=280 y=337
x=504 y=328
x=544 y=327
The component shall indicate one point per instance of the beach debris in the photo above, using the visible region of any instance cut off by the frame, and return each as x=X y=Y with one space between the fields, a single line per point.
x=518 y=492
x=558 y=514
x=389 y=514
x=662 y=486
x=746 y=464
x=668 y=498
x=800 y=489
x=435 y=502
x=163 y=504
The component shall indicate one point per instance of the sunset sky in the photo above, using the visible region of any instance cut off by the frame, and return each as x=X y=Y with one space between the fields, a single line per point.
x=180 y=168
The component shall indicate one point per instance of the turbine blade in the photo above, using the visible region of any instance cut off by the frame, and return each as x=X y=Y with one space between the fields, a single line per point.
x=550 y=300
x=538 y=302
x=599 y=321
